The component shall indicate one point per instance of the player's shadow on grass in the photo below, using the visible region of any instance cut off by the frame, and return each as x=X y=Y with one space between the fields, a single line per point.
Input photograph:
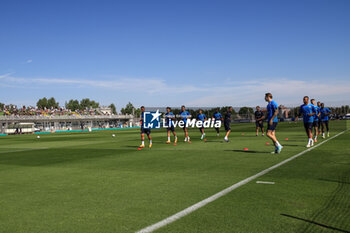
x=247 y=151
x=216 y=141
x=132 y=146
x=335 y=181
x=315 y=223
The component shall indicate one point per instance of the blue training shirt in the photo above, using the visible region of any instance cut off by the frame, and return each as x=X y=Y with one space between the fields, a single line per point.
x=317 y=112
x=168 y=119
x=271 y=108
x=201 y=117
x=184 y=116
x=217 y=116
x=306 y=110
x=324 y=111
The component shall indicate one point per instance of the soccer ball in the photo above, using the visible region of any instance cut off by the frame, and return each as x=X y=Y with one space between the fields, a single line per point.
x=37 y=137
x=113 y=135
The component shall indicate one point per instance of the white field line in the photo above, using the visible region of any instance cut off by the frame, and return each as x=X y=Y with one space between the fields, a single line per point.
x=214 y=197
x=265 y=182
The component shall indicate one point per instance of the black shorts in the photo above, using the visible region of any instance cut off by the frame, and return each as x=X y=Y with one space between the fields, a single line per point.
x=272 y=127
x=316 y=124
x=171 y=128
x=227 y=126
x=259 y=124
x=146 y=131
x=308 y=126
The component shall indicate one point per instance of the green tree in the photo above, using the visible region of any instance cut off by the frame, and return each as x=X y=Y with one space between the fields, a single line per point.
x=2 y=105
x=84 y=103
x=128 y=109
x=73 y=105
x=113 y=108
x=42 y=103
x=245 y=111
x=51 y=103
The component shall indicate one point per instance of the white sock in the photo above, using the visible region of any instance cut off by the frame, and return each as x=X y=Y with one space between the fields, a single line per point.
x=226 y=138
x=150 y=141
x=277 y=143
x=169 y=139
x=310 y=140
x=315 y=137
x=143 y=143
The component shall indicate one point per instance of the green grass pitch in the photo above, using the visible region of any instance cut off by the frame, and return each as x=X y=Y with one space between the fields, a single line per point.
x=93 y=182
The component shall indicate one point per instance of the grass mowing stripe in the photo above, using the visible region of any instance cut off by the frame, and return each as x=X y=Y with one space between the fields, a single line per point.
x=4 y=152
x=216 y=196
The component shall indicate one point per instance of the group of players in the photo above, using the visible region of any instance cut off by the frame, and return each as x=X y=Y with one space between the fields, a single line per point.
x=185 y=116
x=315 y=117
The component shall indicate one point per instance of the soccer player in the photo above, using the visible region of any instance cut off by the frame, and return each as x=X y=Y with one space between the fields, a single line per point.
x=169 y=121
x=272 y=120
x=316 y=119
x=259 y=117
x=144 y=131
x=227 y=123
x=217 y=117
x=309 y=112
x=319 y=117
x=184 y=115
x=324 y=119
x=201 y=117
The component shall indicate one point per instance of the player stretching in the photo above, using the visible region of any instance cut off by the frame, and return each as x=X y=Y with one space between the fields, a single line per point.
x=169 y=122
x=184 y=116
x=145 y=131
x=227 y=123
x=272 y=120
x=324 y=119
x=309 y=112
x=259 y=117
x=201 y=117
x=316 y=123
x=217 y=117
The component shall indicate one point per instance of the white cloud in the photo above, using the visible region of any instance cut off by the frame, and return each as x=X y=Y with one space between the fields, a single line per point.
x=5 y=75
x=29 y=61
x=250 y=93
x=285 y=91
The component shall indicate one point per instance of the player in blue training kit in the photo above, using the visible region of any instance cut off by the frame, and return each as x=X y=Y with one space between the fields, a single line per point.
x=309 y=112
x=201 y=117
x=227 y=123
x=217 y=117
x=169 y=118
x=272 y=120
x=145 y=131
x=316 y=123
x=324 y=119
x=185 y=115
x=319 y=117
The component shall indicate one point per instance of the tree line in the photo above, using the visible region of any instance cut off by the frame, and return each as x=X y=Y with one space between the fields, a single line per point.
x=130 y=109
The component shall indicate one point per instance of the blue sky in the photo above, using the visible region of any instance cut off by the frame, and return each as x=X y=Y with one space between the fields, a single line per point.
x=159 y=53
